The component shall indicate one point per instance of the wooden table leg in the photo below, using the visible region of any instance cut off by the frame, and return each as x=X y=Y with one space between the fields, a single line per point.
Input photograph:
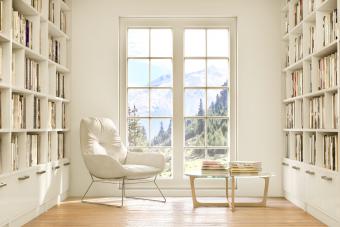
x=233 y=193
x=193 y=191
x=265 y=192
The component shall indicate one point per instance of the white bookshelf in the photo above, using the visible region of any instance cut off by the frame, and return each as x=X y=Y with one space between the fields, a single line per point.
x=48 y=179
x=306 y=182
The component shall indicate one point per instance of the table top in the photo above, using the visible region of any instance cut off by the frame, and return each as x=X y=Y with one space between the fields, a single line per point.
x=226 y=173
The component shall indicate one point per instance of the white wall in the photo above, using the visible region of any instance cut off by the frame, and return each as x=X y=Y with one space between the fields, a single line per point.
x=95 y=27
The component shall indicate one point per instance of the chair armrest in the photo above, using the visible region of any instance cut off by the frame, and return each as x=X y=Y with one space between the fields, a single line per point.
x=153 y=159
x=103 y=166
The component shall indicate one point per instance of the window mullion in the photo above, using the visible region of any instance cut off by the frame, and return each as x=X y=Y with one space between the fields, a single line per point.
x=178 y=122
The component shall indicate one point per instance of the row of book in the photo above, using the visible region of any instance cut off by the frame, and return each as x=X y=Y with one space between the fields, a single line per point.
x=312 y=149
x=33 y=151
x=51 y=9
x=298 y=12
x=36 y=113
x=22 y=29
x=54 y=49
x=330 y=152
x=18 y=111
x=298 y=50
x=297 y=83
x=32 y=75
x=311 y=47
x=52 y=112
x=316 y=112
x=63 y=21
x=33 y=148
x=328 y=75
x=329 y=27
x=298 y=151
x=290 y=115
x=60 y=85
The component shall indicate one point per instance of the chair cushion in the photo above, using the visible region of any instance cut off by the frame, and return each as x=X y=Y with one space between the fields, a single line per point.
x=100 y=136
x=140 y=171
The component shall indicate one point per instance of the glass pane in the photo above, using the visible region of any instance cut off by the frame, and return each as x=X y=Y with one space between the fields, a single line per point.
x=217 y=102
x=167 y=172
x=194 y=74
x=218 y=42
x=138 y=73
x=161 y=43
x=138 y=102
x=193 y=159
x=138 y=43
x=217 y=130
x=194 y=43
x=161 y=102
x=138 y=132
x=161 y=132
x=194 y=132
x=218 y=154
x=217 y=72
x=194 y=102
x=161 y=73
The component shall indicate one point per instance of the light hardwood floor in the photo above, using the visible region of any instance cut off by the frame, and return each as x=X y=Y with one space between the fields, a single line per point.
x=176 y=212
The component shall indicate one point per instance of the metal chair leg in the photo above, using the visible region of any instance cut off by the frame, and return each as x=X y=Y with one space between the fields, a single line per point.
x=155 y=200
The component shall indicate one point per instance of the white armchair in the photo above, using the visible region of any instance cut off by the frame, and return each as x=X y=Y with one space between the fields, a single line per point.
x=108 y=161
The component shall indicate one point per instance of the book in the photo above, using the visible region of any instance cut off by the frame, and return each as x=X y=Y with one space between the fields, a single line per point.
x=36 y=113
x=329 y=27
x=51 y=114
x=298 y=47
x=18 y=111
x=33 y=147
x=298 y=152
x=312 y=149
x=311 y=39
x=335 y=117
x=54 y=49
x=212 y=165
x=49 y=149
x=51 y=9
x=63 y=21
x=297 y=83
x=298 y=12
x=290 y=115
x=14 y=152
x=60 y=85
x=63 y=112
x=61 y=147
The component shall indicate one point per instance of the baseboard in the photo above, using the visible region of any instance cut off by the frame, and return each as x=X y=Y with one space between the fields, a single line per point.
x=30 y=215
x=315 y=212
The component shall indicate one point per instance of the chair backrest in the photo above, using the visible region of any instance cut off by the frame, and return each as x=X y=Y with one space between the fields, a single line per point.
x=100 y=136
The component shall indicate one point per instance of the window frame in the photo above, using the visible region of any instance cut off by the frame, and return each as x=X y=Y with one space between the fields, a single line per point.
x=178 y=25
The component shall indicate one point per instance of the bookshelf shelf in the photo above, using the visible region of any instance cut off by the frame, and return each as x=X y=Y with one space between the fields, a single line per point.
x=34 y=102
x=310 y=75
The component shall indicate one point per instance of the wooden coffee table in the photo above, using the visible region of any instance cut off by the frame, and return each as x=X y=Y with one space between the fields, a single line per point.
x=232 y=176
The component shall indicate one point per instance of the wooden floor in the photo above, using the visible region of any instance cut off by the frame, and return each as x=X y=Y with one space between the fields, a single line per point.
x=176 y=212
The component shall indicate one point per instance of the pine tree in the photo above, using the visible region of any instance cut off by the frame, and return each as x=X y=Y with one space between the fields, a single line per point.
x=137 y=133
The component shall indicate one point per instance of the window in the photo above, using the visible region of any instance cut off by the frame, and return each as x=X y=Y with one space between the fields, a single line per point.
x=177 y=90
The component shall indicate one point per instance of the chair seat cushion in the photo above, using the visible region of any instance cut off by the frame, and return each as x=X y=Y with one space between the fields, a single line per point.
x=140 y=171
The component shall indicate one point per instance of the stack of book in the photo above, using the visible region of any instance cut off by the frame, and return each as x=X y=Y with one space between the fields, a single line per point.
x=32 y=81
x=61 y=149
x=18 y=111
x=36 y=113
x=298 y=48
x=297 y=83
x=52 y=114
x=316 y=112
x=298 y=154
x=328 y=71
x=22 y=29
x=290 y=115
x=63 y=21
x=330 y=152
x=245 y=167
x=33 y=144
x=53 y=49
x=329 y=27
x=60 y=85
x=14 y=152
x=311 y=39
x=213 y=166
